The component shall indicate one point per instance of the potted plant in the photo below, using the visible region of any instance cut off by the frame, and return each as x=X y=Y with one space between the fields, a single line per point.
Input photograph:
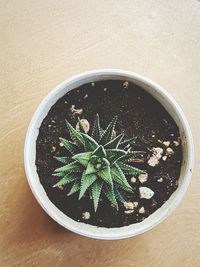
x=108 y=154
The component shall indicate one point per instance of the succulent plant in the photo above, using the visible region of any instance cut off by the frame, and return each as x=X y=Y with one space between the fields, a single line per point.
x=98 y=164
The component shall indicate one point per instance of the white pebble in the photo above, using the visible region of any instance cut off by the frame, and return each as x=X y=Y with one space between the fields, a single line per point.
x=153 y=161
x=133 y=180
x=61 y=144
x=160 y=180
x=146 y=192
x=135 y=203
x=142 y=210
x=157 y=151
x=169 y=151
x=166 y=143
x=176 y=143
x=126 y=84
x=129 y=205
x=105 y=89
x=164 y=158
x=85 y=96
x=86 y=215
x=143 y=177
x=128 y=211
x=85 y=125
x=93 y=84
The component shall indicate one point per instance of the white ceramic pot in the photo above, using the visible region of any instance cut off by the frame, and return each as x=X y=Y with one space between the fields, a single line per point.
x=99 y=232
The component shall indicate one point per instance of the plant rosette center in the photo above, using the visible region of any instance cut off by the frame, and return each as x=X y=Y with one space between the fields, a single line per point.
x=98 y=163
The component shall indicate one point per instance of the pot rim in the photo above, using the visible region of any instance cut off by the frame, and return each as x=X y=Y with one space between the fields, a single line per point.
x=90 y=230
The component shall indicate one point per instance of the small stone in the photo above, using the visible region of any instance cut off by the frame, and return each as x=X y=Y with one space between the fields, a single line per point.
x=53 y=121
x=49 y=125
x=93 y=84
x=164 y=158
x=157 y=151
x=76 y=111
x=153 y=135
x=141 y=210
x=176 y=143
x=133 y=180
x=172 y=134
x=105 y=89
x=166 y=143
x=126 y=84
x=85 y=125
x=135 y=203
x=169 y=151
x=61 y=144
x=153 y=161
x=128 y=211
x=86 y=215
x=146 y=192
x=160 y=180
x=143 y=177
x=85 y=96
x=53 y=149
x=129 y=205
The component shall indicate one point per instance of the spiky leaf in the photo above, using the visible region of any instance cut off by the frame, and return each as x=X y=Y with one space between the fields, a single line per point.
x=71 y=147
x=110 y=195
x=86 y=181
x=65 y=160
x=67 y=179
x=127 y=142
x=104 y=174
x=96 y=132
x=100 y=152
x=91 y=168
x=114 y=143
x=107 y=135
x=75 y=135
x=119 y=195
x=89 y=143
x=96 y=192
x=114 y=154
x=119 y=177
x=72 y=167
x=76 y=187
x=83 y=158
x=127 y=169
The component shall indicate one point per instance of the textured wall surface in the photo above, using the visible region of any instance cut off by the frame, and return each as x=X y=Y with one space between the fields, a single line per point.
x=43 y=43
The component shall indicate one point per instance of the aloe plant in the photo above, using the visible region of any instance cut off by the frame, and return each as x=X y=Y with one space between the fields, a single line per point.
x=98 y=164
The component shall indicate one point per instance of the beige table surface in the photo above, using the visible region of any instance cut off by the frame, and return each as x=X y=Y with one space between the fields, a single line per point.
x=43 y=43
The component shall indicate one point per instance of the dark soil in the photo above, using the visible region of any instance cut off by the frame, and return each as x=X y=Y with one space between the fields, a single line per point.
x=140 y=115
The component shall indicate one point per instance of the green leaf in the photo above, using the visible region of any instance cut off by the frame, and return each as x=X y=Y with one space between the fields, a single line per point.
x=114 y=143
x=119 y=177
x=76 y=186
x=132 y=155
x=67 y=179
x=89 y=143
x=71 y=147
x=75 y=135
x=114 y=154
x=80 y=126
x=96 y=192
x=83 y=158
x=65 y=160
x=119 y=195
x=104 y=174
x=90 y=168
x=127 y=169
x=107 y=135
x=96 y=132
x=100 y=152
x=127 y=142
x=86 y=181
x=72 y=167
x=110 y=195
